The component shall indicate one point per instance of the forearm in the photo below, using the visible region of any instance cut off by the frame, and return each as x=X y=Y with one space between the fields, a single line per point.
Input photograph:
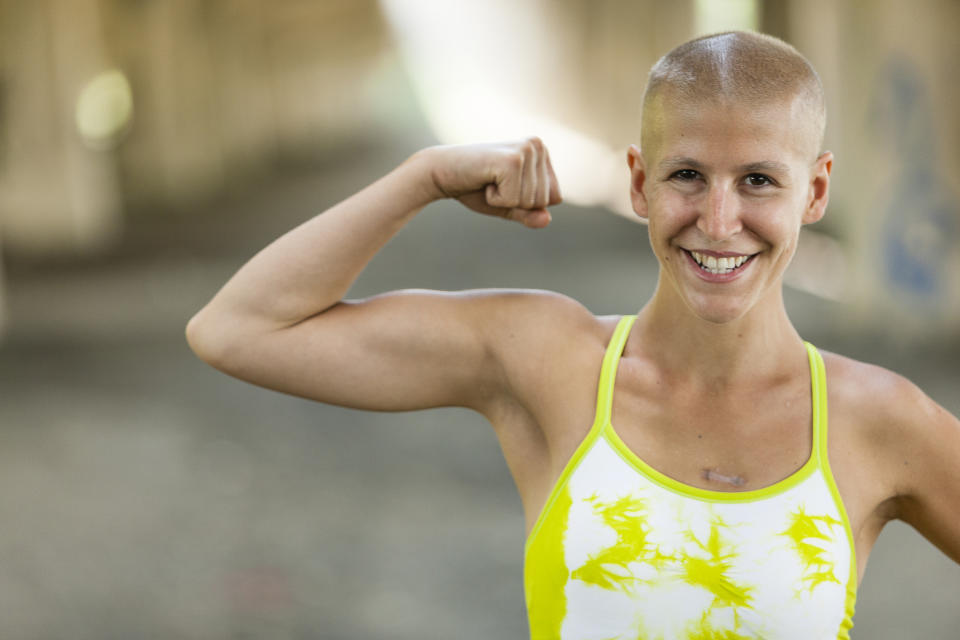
x=311 y=267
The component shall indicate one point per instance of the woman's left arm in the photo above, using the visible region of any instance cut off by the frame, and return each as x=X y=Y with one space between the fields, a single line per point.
x=927 y=466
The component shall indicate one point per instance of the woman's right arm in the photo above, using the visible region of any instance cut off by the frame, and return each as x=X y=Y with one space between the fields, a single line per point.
x=280 y=321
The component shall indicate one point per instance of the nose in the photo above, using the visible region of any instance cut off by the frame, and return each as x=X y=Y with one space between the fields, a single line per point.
x=720 y=218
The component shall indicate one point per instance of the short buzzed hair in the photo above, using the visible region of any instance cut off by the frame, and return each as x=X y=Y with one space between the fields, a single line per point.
x=736 y=66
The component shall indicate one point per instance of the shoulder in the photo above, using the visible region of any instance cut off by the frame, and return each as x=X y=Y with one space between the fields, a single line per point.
x=887 y=411
x=866 y=387
x=544 y=308
x=911 y=443
x=549 y=349
x=543 y=324
x=891 y=409
x=527 y=321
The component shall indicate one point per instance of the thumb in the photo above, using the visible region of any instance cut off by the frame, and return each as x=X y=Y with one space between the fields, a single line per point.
x=531 y=218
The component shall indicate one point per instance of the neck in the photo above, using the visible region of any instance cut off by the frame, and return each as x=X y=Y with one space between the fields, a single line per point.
x=705 y=354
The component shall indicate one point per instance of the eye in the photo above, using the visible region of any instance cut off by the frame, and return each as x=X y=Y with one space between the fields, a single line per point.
x=758 y=180
x=685 y=175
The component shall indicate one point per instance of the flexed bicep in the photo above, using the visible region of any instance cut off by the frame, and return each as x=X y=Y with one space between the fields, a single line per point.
x=398 y=351
x=405 y=350
x=281 y=321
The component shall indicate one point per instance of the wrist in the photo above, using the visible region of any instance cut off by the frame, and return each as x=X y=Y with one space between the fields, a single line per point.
x=423 y=167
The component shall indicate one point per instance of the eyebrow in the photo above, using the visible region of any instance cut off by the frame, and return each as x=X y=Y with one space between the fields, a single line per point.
x=769 y=166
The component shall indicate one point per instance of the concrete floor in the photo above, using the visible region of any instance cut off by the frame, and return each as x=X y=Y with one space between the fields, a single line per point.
x=145 y=495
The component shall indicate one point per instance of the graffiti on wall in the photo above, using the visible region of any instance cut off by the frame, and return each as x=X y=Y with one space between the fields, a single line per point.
x=919 y=213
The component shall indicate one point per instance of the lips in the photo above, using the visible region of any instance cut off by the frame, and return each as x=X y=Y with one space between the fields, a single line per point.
x=718 y=267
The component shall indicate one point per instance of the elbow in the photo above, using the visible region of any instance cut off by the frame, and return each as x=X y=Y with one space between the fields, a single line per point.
x=204 y=338
x=221 y=340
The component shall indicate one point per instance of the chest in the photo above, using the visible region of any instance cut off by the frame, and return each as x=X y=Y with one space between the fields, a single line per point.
x=721 y=440
x=658 y=559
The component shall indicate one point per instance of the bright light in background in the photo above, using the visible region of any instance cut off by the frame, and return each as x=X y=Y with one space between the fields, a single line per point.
x=104 y=109
x=726 y=15
x=590 y=173
x=477 y=69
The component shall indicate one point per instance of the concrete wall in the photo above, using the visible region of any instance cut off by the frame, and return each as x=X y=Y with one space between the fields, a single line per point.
x=56 y=195
x=221 y=89
x=226 y=88
x=890 y=73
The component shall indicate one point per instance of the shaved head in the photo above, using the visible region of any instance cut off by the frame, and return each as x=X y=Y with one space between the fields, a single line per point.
x=735 y=67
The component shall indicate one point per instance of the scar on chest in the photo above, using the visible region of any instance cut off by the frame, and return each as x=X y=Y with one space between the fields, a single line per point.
x=715 y=476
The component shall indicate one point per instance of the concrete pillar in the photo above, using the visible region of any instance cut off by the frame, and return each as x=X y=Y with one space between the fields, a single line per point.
x=224 y=87
x=322 y=58
x=241 y=86
x=57 y=194
x=3 y=299
x=173 y=155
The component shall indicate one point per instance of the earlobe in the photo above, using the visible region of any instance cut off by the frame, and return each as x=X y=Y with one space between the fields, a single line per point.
x=638 y=176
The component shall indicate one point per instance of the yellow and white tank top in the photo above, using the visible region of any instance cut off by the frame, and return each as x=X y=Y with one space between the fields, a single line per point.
x=621 y=551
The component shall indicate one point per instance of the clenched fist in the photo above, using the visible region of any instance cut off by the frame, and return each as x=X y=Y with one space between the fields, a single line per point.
x=512 y=180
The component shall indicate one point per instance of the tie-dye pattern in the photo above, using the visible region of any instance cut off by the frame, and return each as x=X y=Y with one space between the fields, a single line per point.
x=806 y=534
x=625 y=553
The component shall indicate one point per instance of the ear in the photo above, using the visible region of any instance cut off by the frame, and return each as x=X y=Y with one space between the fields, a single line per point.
x=638 y=177
x=819 y=192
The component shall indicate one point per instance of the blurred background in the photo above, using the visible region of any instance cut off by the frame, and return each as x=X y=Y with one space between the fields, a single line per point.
x=149 y=147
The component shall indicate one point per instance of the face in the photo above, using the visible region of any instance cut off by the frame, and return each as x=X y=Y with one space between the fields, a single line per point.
x=725 y=189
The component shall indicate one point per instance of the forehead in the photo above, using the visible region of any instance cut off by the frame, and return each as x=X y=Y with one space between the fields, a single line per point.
x=743 y=133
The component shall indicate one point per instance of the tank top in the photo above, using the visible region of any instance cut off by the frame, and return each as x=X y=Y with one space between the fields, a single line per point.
x=622 y=551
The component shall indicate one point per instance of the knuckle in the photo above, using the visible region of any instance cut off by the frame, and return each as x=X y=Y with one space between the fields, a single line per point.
x=515 y=160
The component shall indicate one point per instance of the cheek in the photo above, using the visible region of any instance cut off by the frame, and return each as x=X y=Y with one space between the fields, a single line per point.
x=659 y=236
x=670 y=212
x=777 y=225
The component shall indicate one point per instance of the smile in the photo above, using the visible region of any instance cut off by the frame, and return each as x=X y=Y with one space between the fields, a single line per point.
x=719 y=266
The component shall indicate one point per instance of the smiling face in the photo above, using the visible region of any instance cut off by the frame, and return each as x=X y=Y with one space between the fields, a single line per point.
x=725 y=188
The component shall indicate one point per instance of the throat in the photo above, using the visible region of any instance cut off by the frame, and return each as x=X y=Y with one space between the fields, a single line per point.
x=711 y=475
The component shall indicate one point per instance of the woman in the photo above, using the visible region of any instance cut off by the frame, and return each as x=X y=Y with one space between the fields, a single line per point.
x=675 y=467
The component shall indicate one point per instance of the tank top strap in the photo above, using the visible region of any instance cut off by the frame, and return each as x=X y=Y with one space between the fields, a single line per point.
x=608 y=371
x=818 y=389
x=818 y=392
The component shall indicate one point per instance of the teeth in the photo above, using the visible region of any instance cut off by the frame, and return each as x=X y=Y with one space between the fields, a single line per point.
x=718 y=265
